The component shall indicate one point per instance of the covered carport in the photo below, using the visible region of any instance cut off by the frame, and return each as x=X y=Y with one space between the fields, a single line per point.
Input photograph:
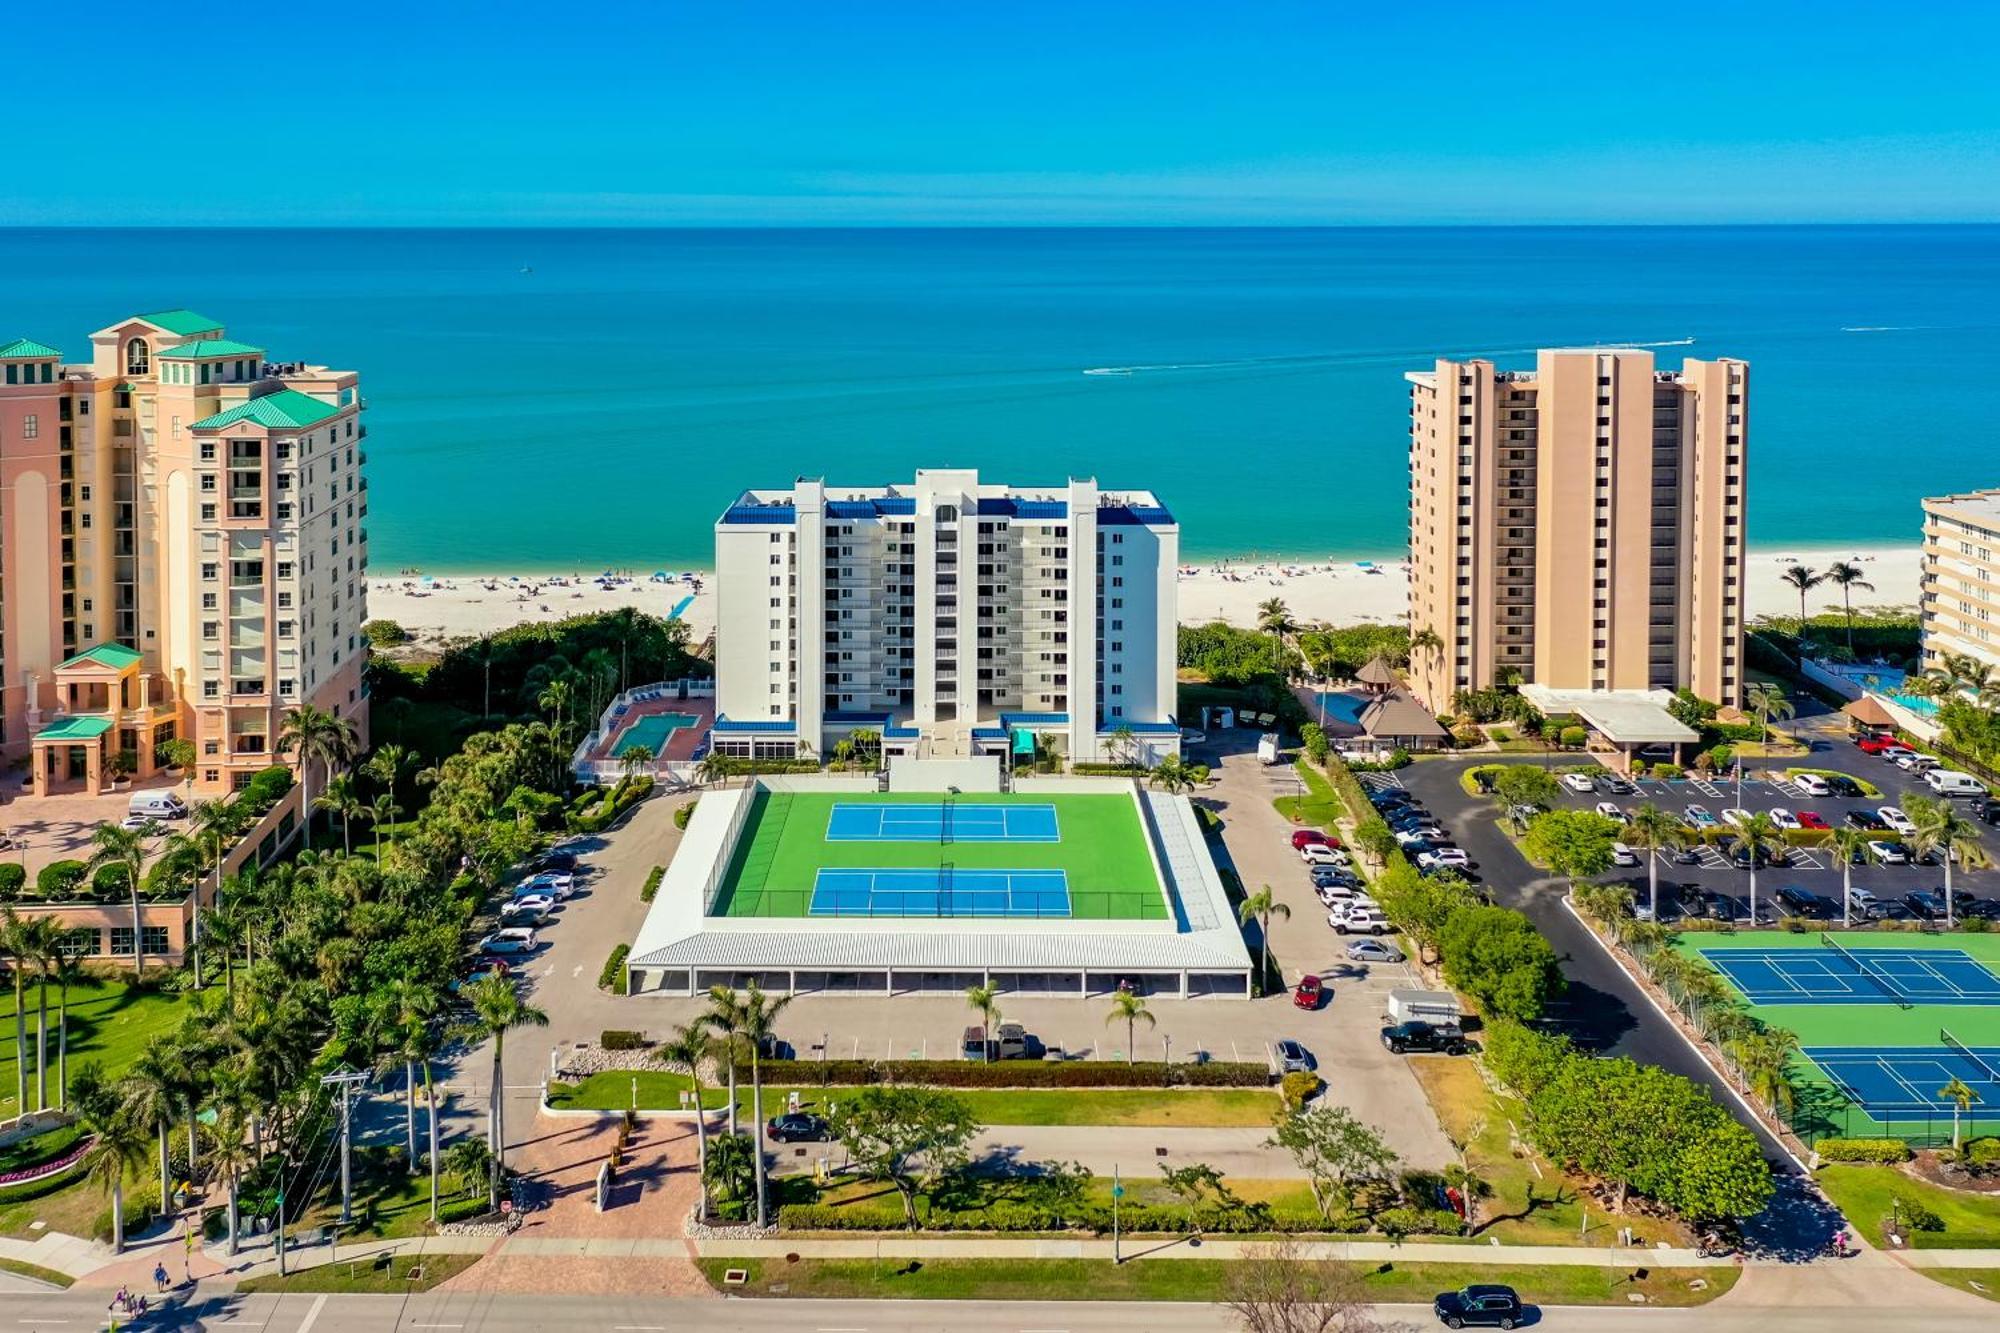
x=1626 y=721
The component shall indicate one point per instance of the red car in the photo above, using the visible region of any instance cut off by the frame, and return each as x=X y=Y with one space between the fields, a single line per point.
x=1812 y=819
x=1307 y=994
x=1875 y=744
x=1312 y=837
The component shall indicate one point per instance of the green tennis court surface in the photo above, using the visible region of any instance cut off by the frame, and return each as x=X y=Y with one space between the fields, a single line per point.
x=1866 y=1013
x=1099 y=847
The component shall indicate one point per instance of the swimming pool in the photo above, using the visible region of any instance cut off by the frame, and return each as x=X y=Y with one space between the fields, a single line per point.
x=1916 y=703
x=652 y=731
x=1345 y=708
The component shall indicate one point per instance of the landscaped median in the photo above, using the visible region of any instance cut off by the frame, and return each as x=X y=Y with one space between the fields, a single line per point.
x=1188 y=1276
x=377 y=1274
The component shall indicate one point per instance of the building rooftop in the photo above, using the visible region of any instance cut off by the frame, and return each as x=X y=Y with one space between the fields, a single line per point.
x=287 y=409
x=184 y=322
x=114 y=655
x=23 y=348
x=206 y=347
x=1624 y=717
x=994 y=499
x=1980 y=508
x=79 y=728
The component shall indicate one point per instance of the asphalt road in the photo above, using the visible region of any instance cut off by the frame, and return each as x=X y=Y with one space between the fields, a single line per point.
x=480 y=1312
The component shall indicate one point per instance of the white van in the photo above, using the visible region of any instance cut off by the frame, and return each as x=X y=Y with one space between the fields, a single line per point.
x=1951 y=782
x=157 y=805
x=1267 y=748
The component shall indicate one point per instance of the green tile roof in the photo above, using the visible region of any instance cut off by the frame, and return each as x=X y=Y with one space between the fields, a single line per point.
x=75 y=729
x=25 y=347
x=287 y=409
x=209 y=347
x=114 y=655
x=184 y=322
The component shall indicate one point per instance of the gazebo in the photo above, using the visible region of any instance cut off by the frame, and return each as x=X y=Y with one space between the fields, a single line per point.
x=102 y=709
x=1377 y=676
x=1867 y=717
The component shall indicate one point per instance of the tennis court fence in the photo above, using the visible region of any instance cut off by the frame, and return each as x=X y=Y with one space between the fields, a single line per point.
x=1822 y=1113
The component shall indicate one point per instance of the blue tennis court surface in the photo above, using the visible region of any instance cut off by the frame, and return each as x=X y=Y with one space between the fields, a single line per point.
x=853 y=821
x=1862 y=976
x=1891 y=1080
x=933 y=891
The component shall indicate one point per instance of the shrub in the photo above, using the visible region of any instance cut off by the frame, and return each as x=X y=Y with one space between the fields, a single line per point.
x=652 y=884
x=1418 y=1222
x=1573 y=738
x=622 y=1039
x=1797 y=925
x=1880 y=1151
x=1298 y=1087
x=1720 y=758
x=59 y=879
x=1010 y=1074
x=1108 y=770
x=682 y=814
x=612 y=977
x=461 y=1210
x=1981 y=1152
x=111 y=879
x=13 y=876
x=1916 y=1217
x=1668 y=772
x=384 y=633
x=265 y=789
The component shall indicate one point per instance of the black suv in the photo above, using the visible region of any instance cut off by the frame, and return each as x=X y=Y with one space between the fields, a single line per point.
x=1804 y=902
x=1924 y=904
x=1482 y=1305
x=1739 y=855
x=798 y=1127
x=1443 y=1038
x=1844 y=786
x=1696 y=901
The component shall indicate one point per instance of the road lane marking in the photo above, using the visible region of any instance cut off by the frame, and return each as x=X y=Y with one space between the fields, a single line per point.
x=312 y=1315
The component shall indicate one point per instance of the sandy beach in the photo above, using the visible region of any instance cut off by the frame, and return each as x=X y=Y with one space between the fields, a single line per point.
x=1339 y=592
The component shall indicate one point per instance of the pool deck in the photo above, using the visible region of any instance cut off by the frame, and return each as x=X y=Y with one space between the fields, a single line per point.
x=684 y=741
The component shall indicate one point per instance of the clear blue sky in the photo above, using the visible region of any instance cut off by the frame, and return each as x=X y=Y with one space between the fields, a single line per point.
x=938 y=111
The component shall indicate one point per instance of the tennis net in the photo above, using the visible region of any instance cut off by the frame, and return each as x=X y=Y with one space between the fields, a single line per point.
x=1944 y=1035
x=1864 y=971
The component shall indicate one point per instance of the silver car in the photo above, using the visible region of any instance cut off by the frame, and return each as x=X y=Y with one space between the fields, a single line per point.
x=1373 y=951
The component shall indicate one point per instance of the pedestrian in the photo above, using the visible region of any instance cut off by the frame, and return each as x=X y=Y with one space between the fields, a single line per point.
x=160 y=1276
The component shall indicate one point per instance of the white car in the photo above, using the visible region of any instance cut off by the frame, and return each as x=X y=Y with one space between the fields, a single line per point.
x=1896 y=819
x=1915 y=763
x=512 y=939
x=1612 y=811
x=145 y=824
x=1621 y=855
x=1579 y=782
x=1812 y=784
x=562 y=885
x=1736 y=815
x=1335 y=894
x=1360 y=921
x=531 y=902
x=1865 y=903
x=1889 y=853
x=1784 y=818
x=1319 y=854
x=1895 y=753
x=1453 y=858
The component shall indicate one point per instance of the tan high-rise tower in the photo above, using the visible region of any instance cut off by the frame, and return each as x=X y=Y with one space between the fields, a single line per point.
x=1579 y=525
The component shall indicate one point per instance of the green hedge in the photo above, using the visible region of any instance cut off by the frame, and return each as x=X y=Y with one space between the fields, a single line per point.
x=612 y=978
x=621 y=1039
x=1010 y=1074
x=1880 y=1151
x=1133 y=1218
x=13 y=877
x=652 y=884
x=628 y=793
x=461 y=1210
x=59 y=879
x=1109 y=770
x=683 y=813
x=112 y=878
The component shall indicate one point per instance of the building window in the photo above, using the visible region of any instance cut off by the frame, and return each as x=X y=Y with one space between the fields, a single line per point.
x=30 y=426
x=209 y=570
x=138 y=361
x=155 y=938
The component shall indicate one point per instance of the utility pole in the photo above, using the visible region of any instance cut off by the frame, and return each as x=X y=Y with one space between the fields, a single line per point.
x=345 y=1081
x=1117 y=1193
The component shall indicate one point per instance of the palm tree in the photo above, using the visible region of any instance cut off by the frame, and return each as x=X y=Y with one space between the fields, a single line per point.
x=714 y=767
x=1124 y=744
x=387 y=766
x=1803 y=579
x=407 y=1039
x=212 y=823
x=1756 y=835
x=117 y=1146
x=482 y=654
x=1275 y=619
x=231 y=1153
x=691 y=1047
x=1172 y=775
x=1763 y=1057
x=342 y=797
x=986 y=999
x=67 y=972
x=383 y=813
x=1768 y=700
x=1957 y=673
x=1961 y=1098
x=317 y=735
x=124 y=847
x=1653 y=830
x=14 y=943
x=756 y=1014
x=499 y=1009
x=1426 y=640
x=1129 y=1007
x=151 y=1090
x=1942 y=831
x=1261 y=906
x=1848 y=843
x=43 y=938
x=1846 y=575
x=555 y=700
x=636 y=759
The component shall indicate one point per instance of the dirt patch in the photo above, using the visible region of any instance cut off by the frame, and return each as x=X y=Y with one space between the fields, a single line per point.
x=1928 y=1167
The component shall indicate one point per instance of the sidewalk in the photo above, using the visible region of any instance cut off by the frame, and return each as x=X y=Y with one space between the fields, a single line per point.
x=1184 y=1247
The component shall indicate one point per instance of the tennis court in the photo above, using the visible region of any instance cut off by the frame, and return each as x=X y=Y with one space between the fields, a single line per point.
x=942 y=822
x=1889 y=1082
x=1835 y=974
x=946 y=891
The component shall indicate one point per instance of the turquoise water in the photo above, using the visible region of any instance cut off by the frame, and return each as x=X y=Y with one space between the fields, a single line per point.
x=1919 y=704
x=1342 y=707
x=652 y=731
x=601 y=409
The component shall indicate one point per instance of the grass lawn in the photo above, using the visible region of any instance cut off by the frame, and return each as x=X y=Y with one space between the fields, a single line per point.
x=1321 y=806
x=109 y=1023
x=36 y=1271
x=1152 y=1107
x=1866 y=1194
x=1188 y=1280
x=366 y=1275
x=1979 y=1281
x=1100 y=848
x=77 y=1207
x=882 y=1210
x=387 y=1203
x=1532 y=1203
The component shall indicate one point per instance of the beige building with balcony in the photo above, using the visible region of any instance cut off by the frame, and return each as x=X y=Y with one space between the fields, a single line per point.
x=1961 y=578
x=182 y=552
x=1579 y=525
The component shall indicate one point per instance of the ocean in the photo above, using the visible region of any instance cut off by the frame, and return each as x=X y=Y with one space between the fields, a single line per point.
x=582 y=399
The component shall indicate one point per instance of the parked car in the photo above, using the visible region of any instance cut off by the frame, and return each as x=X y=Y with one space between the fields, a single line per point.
x=1894 y=752
x=145 y=824
x=1889 y=853
x=1314 y=853
x=1689 y=855
x=1579 y=782
x=1736 y=816
x=1614 y=812
x=1308 y=993
x=1616 y=785
x=1332 y=877
x=1621 y=855
x=1695 y=901
x=558 y=859
x=1373 y=951
x=1812 y=784
x=1845 y=787
x=563 y=886
x=1867 y=819
x=797 y=1127
x=1358 y=920
x=1482 y=1305
x=1876 y=744
x=1332 y=894
x=1893 y=817
x=1812 y=819
x=1804 y=902
x=1925 y=904
x=1293 y=1058
x=1784 y=818
x=1952 y=782
x=1916 y=763
x=510 y=939
x=530 y=911
x=1311 y=837
x=1863 y=903
x=1698 y=816
x=1521 y=814
x=1738 y=854
x=1389 y=796
x=1453 y=857
x=1441 y=1038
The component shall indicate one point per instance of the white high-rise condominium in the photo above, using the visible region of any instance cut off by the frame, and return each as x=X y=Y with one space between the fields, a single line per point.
x=948 y=615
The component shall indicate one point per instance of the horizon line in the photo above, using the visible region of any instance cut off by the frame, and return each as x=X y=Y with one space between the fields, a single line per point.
x=586 y=225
